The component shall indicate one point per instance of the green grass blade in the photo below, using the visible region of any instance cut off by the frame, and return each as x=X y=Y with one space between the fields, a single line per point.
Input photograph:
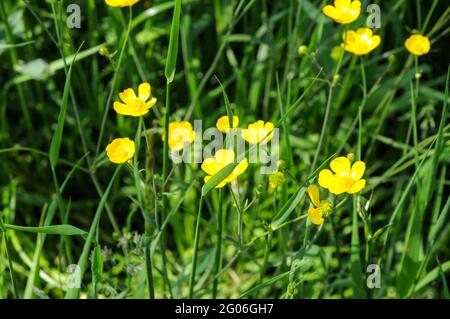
x=217 y=178
x=172 y=53
x=73 y=293
x=55 y=144
x=64 y=229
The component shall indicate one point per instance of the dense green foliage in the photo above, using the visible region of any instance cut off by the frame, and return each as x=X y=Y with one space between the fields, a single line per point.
x=132 y=228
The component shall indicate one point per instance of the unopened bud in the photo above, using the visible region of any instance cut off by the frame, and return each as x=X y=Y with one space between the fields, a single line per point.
x=302 y=49
x=351 y=157
x=103 y=51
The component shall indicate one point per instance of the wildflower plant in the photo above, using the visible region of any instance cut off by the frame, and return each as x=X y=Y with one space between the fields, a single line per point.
x=196 y=188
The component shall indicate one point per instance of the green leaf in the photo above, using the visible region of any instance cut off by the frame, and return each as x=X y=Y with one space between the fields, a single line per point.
x=97 y=264
x=15 y=45
x=55 y=144
x=413 y=256
x=380 y=232
x=227 y=102
x=217 y=178
x=289 y=207
x=265 y=284
x=66 y=230
x=172 y=53
x=433 y=275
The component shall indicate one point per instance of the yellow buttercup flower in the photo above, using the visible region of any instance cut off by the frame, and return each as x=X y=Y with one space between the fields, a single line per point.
x=179 y=134
x=223 y=123
x=135 y=105
x=343 y=11
x=120 y=150
x=322 y=207
x=360 y=42
x=120 y=3
x=347 y=178
x=418 y=44
x=257 y=132
x=222 y=158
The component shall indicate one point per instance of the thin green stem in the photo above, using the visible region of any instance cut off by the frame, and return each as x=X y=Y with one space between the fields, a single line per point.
x=218 y=255
x=417 y=75
x=165 y=174
x=324 y=127
x=113 y=84
x=360 y=108
x=148 y=262
x=266 y=255
x=195 y=256
x=239 y=208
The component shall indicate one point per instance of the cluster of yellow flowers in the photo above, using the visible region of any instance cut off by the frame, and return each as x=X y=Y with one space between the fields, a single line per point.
x=344 y=177
x=259 y=132
x=362 y=41
x=121 y=150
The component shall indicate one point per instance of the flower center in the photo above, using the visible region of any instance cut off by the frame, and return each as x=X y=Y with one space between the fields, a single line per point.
x=326 y=207
x=347 y=182
x=138 y=103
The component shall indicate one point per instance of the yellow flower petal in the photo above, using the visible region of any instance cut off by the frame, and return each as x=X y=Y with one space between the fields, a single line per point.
x=313 y=193
x=343 y=11
x=223 y=123
x=258 y=132
x=357 y=171
x=224 y=156
x=120 y=3
x=341 y=3
x=315 y=215
x=238 y=170
x=144 y=91
x=341 y=185
x=349 y=37
x=341 y=166
x=151 y=103
x=210 y=166
x=360 y=42
x=326 y=178
x=127 y=96
x=121 y=108
x=356 y=5
x=357 y=186
x=329 y=11
x=120 y=150
x=376 y=40
x=364 y=32
x=418 y=44
x=180 y=133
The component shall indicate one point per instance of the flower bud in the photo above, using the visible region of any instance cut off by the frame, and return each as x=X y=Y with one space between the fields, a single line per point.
x=302 y=49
